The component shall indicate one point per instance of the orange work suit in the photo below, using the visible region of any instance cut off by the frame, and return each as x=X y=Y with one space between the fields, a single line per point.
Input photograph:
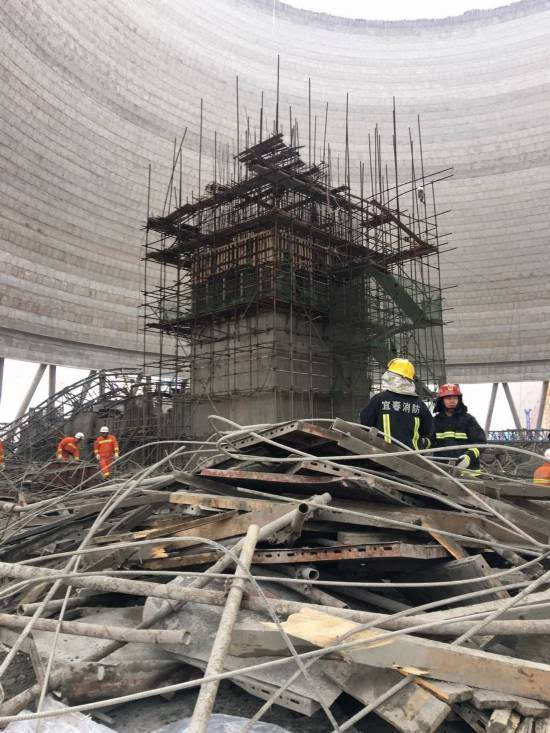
x=68 y=448
x=106 y=449
x=542 y=475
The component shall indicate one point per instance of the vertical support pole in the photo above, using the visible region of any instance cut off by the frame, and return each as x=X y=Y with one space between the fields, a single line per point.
x=262 y=118
x=489 y=418
x=200 y=151
x=325 y=140
x=540 y=414
x=85 y=387
x=208 y=691
x=513 y=410
x=1 y=376
x=102 y=381
x=277 y=104
x=52 y=373
x=30 y=392
x=396 y=174
x=309 y=119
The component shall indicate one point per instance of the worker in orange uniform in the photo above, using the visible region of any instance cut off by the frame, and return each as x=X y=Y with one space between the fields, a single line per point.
x=2 y=465
x=542 y=474
x=68 y=448
x=106 y=450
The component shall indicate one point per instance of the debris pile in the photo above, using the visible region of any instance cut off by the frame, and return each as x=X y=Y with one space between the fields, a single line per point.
x=306 y=562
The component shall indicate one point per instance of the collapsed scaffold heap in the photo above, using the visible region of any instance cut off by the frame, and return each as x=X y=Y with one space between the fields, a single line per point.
x=286 y=296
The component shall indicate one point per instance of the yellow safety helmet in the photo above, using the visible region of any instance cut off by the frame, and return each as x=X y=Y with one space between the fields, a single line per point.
x=403 y=367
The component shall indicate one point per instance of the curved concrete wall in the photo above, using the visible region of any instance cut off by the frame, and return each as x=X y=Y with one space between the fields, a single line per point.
x=97 y=89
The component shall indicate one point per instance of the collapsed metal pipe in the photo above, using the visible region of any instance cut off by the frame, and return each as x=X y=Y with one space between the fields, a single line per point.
x=100 y=631
x=300 y=572
x=297 y=524
x=222 y=642
x=56 y=605
x=362 y=594
x=172 y=591
x=25 y=698
x=151 y=483
x=187 y=594
x=315 y=594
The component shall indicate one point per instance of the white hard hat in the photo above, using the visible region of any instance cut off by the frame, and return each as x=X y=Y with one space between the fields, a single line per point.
x=103 y=429
x=79 y=436
x=547 y=454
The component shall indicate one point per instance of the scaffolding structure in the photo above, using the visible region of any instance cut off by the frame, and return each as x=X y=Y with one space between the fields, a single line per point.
x=136 y=409
x=279 y=295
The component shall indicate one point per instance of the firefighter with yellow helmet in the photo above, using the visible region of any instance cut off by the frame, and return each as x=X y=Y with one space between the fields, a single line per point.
x=397 y=411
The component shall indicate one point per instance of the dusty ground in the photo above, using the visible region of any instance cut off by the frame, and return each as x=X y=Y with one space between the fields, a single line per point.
x=19 y=674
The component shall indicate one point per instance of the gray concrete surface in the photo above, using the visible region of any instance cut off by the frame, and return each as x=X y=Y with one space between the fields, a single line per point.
x=97 y=90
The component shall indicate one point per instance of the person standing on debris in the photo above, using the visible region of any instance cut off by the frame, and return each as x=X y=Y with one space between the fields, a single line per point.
x=397 y=411
x=542 y=473
x=106 y=450
x=455 y=428
x=68 y=449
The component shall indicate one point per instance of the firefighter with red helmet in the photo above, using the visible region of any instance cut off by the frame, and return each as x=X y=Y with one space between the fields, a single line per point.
x=456 y=429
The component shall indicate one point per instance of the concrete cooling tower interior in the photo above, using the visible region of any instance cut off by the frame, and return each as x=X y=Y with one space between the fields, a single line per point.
x=95 y=91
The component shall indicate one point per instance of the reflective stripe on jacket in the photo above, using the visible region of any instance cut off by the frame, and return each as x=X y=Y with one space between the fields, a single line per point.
x=399 y=417
x=542 y=475
x=455 y=431
x=68 y=445
x=106 y=446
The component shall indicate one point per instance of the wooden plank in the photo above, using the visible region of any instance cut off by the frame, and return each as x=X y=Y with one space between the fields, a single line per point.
x=202 y=483
x=499 y=720
x=477 y=720
x=438 y=519
x=238 y=477
x=535 y=599
x=507 y=489
x=449 y=692
x=218 y=529
x=346 y=482
x=408 y=710
x=537 y=526
x=358 y=485
x=189 y=498
x=472 y=566
x=165 y=562
x=439 y=660
x=527 y=725
x=513 y=723
x=376 y=535
x=503 y=721
x=453 y=548
x=489 y=699
x=168 y=529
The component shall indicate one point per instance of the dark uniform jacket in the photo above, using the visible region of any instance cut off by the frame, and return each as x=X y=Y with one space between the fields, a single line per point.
x=402 y=417
x=455 y=432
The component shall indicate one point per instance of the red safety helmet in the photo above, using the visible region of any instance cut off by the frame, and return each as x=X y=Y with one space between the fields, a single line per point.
x=449 y=390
